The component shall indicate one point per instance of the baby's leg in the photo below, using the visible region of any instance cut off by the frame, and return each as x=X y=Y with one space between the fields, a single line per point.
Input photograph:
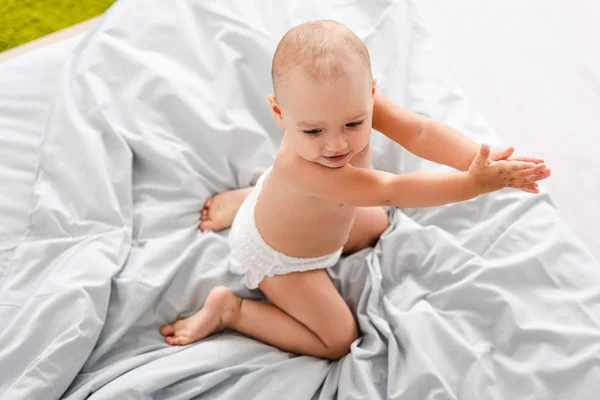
x=308 y=316
x=369 y=224
x=219 y=210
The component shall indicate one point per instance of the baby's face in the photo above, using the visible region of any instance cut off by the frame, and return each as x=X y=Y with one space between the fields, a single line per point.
x=328 y=122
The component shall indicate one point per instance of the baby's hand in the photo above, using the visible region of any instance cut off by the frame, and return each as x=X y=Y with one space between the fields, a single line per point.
x=489 y=175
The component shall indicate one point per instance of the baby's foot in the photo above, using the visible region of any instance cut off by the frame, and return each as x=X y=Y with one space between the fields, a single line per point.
x=220 y=311
x=219 y=210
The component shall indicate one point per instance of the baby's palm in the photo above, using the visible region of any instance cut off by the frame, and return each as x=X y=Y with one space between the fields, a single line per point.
x=495 y=171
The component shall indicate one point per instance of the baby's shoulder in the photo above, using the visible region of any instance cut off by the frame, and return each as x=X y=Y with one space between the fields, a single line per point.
x=287 y=169
x=306 y=178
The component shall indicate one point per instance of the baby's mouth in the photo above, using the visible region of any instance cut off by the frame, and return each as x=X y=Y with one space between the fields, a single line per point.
x=338 y=158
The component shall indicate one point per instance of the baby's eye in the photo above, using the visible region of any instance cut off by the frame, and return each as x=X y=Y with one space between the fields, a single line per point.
x=312 y=132
x=354 y=124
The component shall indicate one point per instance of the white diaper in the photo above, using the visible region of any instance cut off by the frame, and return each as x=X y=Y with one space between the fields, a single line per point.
x=253 y=258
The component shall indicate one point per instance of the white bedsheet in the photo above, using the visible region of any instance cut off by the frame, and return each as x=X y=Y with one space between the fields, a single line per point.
x=164 y=105
x=28 y=85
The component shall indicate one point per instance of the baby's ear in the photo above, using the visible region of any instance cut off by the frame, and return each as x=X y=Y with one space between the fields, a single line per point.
x=374 y=87
x=276 y=111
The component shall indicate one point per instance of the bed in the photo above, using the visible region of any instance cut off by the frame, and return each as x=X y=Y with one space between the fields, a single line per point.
x=116 y=143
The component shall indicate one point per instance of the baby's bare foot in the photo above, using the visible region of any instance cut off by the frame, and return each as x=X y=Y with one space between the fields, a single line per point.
x=220 y=311
x=219 y=210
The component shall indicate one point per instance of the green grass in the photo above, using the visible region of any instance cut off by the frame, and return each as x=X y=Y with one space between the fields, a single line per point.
x=24 y=20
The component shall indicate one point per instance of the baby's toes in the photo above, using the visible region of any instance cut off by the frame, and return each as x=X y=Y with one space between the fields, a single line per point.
x=209 y=225
x=170 y=340
x=180 y=340
x=166 y=330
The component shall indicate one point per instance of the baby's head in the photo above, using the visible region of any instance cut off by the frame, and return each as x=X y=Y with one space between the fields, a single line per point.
x=324 y=92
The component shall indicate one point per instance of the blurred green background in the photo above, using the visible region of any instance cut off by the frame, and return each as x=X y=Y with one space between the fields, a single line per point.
x=24 y=20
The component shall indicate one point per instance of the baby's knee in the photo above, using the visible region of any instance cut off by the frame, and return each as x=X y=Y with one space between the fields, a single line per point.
x=339 y=350
x=339 y=347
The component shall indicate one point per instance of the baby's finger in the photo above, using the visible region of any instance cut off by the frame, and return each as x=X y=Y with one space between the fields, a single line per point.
x=514 y=166
x=530 y=190
x=502 y=155
x=538 y=169
x=483 y=156
x=528 y=187
x=528 y=180
x=534 y=160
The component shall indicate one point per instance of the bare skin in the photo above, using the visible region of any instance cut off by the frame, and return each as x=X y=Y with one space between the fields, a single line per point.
x=222 y=309
x=218 y=312
x=219 y=210
x=296 y=318
x=322 y=194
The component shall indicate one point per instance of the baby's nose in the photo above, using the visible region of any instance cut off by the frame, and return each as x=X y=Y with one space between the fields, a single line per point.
x=337 y=143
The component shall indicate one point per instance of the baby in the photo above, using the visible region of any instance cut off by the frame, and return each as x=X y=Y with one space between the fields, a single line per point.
x=321 y=198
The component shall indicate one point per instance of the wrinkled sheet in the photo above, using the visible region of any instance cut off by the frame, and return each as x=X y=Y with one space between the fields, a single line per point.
x=164 y=105
x=27 y=88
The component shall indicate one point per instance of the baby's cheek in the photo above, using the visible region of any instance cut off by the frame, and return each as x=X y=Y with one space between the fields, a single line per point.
x=315 y=150
x=310 y=152
x=363 y=139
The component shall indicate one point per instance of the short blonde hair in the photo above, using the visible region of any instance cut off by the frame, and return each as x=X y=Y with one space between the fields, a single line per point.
x=321 y=48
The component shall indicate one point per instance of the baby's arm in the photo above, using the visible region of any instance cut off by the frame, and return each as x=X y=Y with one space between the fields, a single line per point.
x=430 y=139
x=366 y=187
